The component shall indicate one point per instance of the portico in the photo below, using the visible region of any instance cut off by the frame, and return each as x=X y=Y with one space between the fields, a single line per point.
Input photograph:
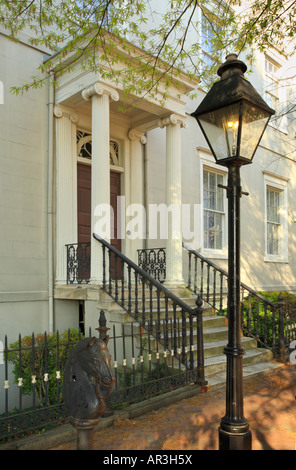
x=95 y=126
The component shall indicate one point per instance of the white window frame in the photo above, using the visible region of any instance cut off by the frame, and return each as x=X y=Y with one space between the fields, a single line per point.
x=277 y=100
x=206 y=50
x=207 y=162
x=206 y=47
x=271 y=79
x=280 y=185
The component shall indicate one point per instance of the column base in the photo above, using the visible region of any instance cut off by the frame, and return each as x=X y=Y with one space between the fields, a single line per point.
x=177 y=284
x=178 y=288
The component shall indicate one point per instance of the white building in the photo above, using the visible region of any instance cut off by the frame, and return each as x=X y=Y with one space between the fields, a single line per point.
x=68 y=153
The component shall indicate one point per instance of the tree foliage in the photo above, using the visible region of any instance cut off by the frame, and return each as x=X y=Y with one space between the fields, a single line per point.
x=73 y=31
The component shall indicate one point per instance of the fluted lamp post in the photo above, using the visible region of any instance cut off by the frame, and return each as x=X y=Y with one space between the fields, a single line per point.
x=233 y=117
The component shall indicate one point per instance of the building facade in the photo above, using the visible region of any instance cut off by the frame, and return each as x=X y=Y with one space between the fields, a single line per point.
x=78 y=160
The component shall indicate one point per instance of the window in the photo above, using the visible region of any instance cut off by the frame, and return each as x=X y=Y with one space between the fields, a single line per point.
x=271 y=83
x=276 y=92
x=276 y=220
x=213 y=210
x=84 y=148
x=273 y=220
x=207 y=44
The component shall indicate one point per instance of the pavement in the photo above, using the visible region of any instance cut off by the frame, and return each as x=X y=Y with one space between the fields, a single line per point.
x=188 y=420
x=192 y=423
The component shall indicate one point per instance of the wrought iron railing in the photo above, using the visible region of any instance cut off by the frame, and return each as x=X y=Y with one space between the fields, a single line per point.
x=273 y=325
x=32 y=397
x=153 y=261
x=78 y=263
x=171 y=321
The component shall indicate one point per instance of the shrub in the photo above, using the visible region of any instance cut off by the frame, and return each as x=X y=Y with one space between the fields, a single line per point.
x=262 y=322
x=40 y=362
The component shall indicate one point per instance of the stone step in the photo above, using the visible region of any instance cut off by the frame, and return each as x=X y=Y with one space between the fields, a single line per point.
x=190 y=301
x=215 y=380
x=216 y=348
x=183 y=292
x=217 y=364
x=154 y=302
x=153 y=312
x=213 y=327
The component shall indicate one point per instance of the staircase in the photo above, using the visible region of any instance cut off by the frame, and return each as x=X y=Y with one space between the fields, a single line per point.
x=215 y=334
x=170 y=320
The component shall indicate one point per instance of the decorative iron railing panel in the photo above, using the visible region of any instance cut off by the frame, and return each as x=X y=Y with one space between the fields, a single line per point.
x=78 y=263
x=273 y=325
x=153 y=262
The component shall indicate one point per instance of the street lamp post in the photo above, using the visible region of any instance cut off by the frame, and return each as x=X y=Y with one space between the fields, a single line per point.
x=233 y=118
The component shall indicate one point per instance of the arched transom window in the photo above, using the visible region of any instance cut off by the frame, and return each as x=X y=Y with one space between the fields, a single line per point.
x=84 y=147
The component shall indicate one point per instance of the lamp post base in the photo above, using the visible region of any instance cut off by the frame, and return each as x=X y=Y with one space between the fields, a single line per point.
x=235 y=441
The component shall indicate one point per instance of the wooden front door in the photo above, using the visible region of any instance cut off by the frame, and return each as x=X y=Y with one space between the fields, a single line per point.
x=114 y=192
x=84 y=202
x=84 y=205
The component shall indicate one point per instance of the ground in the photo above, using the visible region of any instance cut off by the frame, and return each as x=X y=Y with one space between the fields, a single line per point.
x=192 y=424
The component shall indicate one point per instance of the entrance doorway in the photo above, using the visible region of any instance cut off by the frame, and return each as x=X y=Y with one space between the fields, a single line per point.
x=84 y=206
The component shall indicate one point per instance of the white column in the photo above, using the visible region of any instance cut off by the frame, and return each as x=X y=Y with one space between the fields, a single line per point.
x=174 y=271
x=100 y=96
x=66 y=188
x=137 y=208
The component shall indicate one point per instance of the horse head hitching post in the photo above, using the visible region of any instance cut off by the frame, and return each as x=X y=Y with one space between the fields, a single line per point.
x=88 y=381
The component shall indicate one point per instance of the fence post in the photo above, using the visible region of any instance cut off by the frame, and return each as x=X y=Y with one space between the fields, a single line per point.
x=198 y=312
x=281 y=328
x=102 y=329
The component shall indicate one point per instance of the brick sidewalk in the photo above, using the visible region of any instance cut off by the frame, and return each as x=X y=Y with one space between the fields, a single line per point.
x=192 y=424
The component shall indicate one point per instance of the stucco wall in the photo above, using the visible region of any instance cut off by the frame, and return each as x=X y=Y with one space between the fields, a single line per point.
x=23 y=193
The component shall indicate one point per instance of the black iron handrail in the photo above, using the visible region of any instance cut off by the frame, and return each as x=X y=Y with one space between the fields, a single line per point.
x=134 y=290
x=261 y=318
x=224 y=273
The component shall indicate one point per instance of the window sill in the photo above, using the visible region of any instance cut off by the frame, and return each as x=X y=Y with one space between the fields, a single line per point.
x=275 y=259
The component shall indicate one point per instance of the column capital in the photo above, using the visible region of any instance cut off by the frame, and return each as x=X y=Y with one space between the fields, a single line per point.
x=59 y=111
x=173 y=119
x=134 y=134
x=100 y=89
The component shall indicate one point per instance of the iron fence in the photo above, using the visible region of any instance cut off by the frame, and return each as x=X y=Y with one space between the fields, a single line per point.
x=32 y=396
